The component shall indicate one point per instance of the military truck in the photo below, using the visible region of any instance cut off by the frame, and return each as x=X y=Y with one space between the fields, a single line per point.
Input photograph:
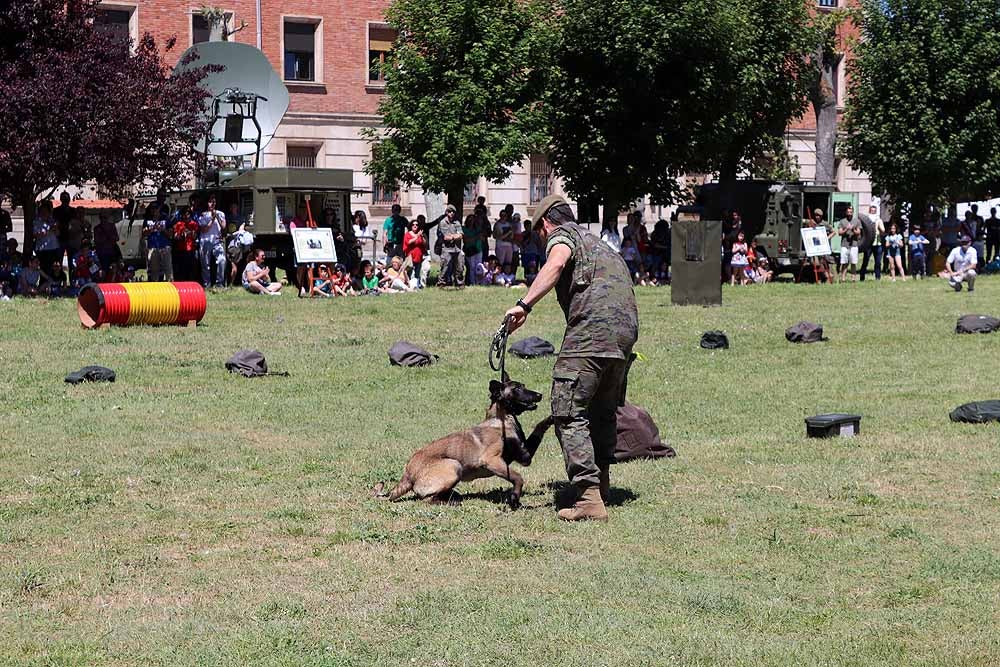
x=773 y=212
x=269 y=198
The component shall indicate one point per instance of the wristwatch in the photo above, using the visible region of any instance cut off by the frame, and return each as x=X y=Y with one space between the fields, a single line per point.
x=526 y=307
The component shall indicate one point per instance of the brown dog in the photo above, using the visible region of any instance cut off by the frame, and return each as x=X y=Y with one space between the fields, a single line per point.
x=481 y=451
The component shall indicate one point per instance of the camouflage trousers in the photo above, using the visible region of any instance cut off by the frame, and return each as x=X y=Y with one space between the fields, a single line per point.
x=452 y=267
x=586 y=394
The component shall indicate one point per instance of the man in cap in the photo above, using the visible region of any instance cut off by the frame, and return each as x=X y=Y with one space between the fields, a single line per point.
x=962 y=264
x=452 y=257
x=594 y=289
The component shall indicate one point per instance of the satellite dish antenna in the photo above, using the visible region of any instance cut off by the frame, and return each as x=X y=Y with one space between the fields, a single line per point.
x=247 y=100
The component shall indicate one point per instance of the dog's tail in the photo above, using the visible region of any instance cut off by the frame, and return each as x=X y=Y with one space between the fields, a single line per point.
x=405 y=486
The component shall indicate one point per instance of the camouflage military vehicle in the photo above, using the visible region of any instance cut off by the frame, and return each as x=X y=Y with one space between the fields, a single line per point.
x=269 y=198
x=773 y=212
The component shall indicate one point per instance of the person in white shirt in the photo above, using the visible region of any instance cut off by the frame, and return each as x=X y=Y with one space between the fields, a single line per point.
x=256 y=276
x=210 y=246
x=962 y=263
x=503 y=234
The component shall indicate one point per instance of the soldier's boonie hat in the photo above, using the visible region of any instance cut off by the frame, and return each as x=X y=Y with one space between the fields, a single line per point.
x=450 y=208
x=817 y=211
x=547 y=204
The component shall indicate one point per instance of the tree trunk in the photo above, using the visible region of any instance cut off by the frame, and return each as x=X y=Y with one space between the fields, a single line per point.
x=611 y=209
x=825 y=106
x=586 y=211
x=27 y=201
x=728 y=171
x=456 y=197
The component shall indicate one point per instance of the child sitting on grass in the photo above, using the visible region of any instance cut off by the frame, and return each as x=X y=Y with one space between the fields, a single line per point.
x=322 y=285
x=506 y=277
x=395 y=279
x=369 y=280
x=341 y=280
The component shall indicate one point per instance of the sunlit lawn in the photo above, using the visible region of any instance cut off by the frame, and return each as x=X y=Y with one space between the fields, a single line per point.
x=182 y=516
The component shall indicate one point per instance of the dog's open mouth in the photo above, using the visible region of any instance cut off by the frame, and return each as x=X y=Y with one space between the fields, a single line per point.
x=514 y=396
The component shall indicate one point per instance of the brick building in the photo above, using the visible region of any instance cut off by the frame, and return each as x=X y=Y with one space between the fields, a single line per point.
x=323 y=51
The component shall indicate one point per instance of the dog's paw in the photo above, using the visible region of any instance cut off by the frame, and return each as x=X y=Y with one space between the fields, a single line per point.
x=514 y=501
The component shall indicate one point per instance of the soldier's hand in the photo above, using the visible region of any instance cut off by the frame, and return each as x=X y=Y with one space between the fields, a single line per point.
x=516 y=317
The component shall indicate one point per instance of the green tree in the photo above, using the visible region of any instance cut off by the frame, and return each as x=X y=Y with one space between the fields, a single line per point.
x=922 y=116
x=643 y=91
x=463 y=83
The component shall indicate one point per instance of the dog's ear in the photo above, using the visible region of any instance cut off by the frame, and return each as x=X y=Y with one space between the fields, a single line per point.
x=496 y=389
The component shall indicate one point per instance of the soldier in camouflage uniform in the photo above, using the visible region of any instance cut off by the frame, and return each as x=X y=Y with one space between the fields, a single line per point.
x=452 y=256
x=594 y=289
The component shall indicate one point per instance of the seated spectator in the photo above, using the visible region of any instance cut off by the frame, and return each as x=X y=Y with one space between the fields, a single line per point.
x=481 y=272
x=530 y=270
x=962 y=262
x=662 y=274
x=322 y=283
x=342 y=283
x=395 y=279
x=369 y=279
x=491 y=271
x=506 y=277
x=15 y=257
x=58 y=281
x=759 y=272
x=33 y=281
x=256 y=276
x=631 y=256
x=88 y=267
x=8 y=281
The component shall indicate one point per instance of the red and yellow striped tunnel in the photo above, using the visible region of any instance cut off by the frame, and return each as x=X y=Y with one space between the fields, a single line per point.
x=140 y=303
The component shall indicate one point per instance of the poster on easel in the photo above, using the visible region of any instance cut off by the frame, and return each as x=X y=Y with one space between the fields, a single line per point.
x=816 y=242
x=314 y=245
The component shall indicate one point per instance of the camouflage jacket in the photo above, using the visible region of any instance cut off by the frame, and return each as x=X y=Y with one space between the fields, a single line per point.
x=596 y=296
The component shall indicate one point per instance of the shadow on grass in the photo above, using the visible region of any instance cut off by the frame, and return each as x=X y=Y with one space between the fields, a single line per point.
x=564 y=495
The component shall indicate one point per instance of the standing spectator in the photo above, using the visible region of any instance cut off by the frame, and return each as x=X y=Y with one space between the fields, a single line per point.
x=78 y=232
x=950 y=227
x=395 y=227
x=659 y=245
x=452 y=257
x=87 y=266
x=365 y=235
x=503 y=235
x=518 y=229
x=6 y=225
x=917 y=242
x=184 y=257
x=106 y=243
x=979 y=239
x=46 y=233
x=872 y=233
x=532 y=246
x=631 y=256
x=992 y=226
x=740 y=260
x=961 y=265
x=213 y=253
x=155 y=229
x=823 y=264
x=12 y=253
x=473 y=235
x=62 y=214
x=415 y=247
x=256 y=276
x=610 y=235
x=894 y=250
x=849 y=230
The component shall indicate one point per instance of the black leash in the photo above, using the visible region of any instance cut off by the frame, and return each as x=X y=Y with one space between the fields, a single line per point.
x=498 y=349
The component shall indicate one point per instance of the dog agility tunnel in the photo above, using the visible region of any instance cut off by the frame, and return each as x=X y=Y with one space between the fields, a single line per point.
x=124 y=304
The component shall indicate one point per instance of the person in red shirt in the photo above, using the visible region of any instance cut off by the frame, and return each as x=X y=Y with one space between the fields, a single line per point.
x=185 y=240
x=415 y=247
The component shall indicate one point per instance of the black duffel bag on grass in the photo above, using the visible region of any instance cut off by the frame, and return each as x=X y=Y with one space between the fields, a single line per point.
x=973 y=324
x=404 y=353
x=979 y=412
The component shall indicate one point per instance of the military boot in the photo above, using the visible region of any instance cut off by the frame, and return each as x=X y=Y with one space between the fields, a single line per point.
x=587 y=506
x=605 y=482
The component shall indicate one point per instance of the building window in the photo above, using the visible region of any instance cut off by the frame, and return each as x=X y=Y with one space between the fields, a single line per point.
x=302 y=157
x=115 y=22
x=384 y=194
x=200 y=29
x=380 y=39
x=300 y=51
x=541 y=178
x=827 y=4
x=471 y=192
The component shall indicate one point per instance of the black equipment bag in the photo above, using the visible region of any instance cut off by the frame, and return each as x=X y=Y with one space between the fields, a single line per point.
x=404 y=353
x=638 y=436
x=971 y=324
x=979 y=412
x=805 y=332
x=250 y=364
x=91 y=374
x=532 y=347
x=830 y=425
x=714 y=340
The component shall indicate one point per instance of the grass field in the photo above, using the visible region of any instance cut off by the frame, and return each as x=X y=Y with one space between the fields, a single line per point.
x=182 y=516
